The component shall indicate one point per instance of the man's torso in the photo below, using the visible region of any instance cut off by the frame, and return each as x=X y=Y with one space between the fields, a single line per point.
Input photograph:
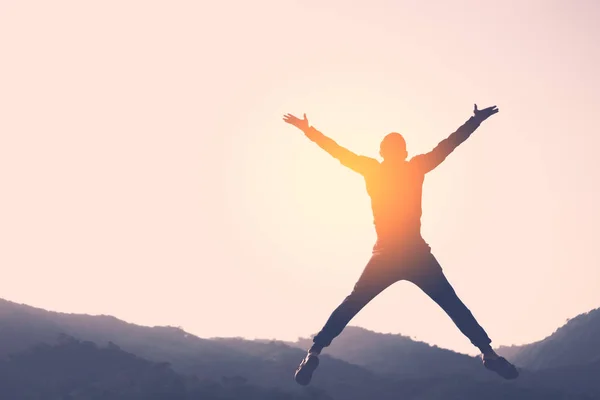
x=395 y=192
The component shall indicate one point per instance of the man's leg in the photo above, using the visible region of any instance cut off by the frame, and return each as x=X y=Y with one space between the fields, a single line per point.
x=431 y=279
x=433 y=282
x=375 y=278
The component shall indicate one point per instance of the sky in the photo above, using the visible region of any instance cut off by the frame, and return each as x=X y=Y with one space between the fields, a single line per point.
x=146 y=172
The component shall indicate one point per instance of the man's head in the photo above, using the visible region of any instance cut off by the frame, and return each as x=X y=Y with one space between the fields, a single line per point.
x=393 y=147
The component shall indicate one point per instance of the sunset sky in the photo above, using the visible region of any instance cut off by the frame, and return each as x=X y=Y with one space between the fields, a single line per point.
x=146 y=172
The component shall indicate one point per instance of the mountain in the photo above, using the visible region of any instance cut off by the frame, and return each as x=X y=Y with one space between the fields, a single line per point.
x=243 y=369
x=23 y=326
x=577 y=380
x=399 y=355
x=267 y=364
x=73 y=369
x=575 y=343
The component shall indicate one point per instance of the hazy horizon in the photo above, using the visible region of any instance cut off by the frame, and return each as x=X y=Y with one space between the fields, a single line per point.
x=147 y=174
x=351 y=325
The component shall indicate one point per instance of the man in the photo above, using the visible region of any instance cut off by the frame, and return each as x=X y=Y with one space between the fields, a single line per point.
x=400 y=252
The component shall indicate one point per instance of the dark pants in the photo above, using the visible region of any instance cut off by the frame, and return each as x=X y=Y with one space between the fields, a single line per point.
x=416 y=264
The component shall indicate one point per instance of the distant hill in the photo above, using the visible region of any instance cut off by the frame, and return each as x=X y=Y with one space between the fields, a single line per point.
x=268 y=364
x=73 y=369
x=391 y=366
x=575 y=343
x=399 y=355
x=580 y=379
x=22 y=326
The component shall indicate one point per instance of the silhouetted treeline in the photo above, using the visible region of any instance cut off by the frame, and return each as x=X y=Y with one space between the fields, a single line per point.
x=112 y=359
x=74 y=369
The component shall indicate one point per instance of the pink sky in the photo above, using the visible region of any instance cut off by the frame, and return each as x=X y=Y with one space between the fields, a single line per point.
x=146 y=173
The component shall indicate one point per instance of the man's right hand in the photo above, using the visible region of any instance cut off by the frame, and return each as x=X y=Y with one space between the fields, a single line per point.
x=482 y=115
x=301 y=124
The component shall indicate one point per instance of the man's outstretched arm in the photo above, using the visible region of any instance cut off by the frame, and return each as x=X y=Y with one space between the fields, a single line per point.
x=435 y=157
x=357 y=163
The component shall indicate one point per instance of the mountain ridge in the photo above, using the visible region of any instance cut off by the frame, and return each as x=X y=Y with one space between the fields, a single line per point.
x=359 y=364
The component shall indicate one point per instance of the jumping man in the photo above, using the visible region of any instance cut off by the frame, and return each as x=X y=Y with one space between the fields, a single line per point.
x=400 y=253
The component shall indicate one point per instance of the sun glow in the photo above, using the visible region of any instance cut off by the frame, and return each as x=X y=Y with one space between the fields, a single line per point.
x=153 y=157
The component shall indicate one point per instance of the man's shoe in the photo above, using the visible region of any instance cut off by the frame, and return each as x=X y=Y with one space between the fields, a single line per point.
x=306 y=368
x=501 y=366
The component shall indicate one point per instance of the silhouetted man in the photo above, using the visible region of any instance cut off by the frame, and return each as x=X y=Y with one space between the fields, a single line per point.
x=400 y=253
